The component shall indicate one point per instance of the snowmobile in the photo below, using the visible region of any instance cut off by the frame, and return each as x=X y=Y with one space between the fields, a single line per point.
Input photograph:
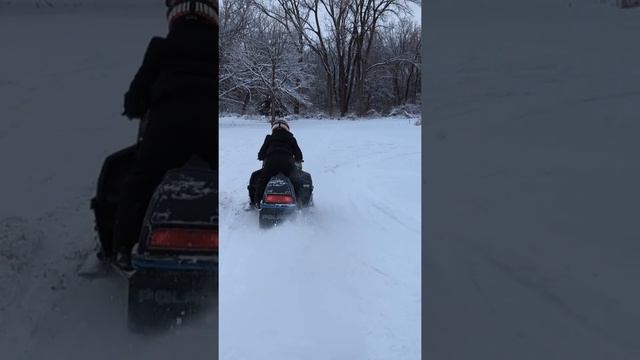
x=175 y=262
x=281 y=199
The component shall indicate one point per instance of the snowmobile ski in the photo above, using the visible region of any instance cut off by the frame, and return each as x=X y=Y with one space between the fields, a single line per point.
x=95 y=268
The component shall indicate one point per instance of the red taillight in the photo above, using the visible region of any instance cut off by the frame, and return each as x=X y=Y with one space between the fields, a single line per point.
x=184 y=239
x=278 y=199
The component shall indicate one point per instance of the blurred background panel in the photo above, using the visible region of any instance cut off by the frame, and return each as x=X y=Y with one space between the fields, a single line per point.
x=65 y=68
x=531 y=195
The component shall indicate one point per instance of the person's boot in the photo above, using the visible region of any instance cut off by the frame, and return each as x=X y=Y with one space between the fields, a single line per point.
x=257 y=200
x=123 y=261
x=106 y=256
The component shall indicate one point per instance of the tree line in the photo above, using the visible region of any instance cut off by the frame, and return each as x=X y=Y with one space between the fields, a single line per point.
x=338 y=57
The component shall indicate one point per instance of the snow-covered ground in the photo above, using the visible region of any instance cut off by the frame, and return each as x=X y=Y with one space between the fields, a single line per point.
x=62 y=79
x=531 y=181
x=342 y=282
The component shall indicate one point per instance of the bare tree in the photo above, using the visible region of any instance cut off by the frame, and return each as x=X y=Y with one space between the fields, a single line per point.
x=265 y=66
x=341 y=33
x=344 y=54
x=397 y=58
x=291 y=15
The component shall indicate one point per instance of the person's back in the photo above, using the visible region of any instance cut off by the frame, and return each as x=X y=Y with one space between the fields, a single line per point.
x=279 y=152
x=280 y=143
x=177 y=87
x=187 y=62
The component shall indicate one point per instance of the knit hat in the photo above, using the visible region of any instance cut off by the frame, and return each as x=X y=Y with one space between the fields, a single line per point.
x=280 y=124
x=206 y=10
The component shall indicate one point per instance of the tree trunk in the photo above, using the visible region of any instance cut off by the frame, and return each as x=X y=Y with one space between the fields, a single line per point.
x=329 y=94
x=273 y=95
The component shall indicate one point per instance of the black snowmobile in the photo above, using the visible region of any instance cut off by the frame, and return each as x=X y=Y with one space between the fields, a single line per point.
x=281 y=199
x=175 y=262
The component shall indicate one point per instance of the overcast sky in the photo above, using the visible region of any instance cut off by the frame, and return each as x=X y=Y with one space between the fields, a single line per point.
x=415 y=9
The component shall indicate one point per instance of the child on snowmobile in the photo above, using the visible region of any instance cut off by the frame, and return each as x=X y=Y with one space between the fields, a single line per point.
x=280 y=152
x=177 y=89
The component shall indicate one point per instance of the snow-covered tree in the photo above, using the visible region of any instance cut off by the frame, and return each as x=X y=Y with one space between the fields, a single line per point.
x=265 y=67
x=328 y=55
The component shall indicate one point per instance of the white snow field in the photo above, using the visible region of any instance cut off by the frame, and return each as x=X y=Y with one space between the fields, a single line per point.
x=62 y=78
x=340 y=282
x=532 y=180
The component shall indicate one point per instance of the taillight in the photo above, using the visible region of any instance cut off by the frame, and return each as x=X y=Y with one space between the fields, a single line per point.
x=184 y=239
x=278 y=199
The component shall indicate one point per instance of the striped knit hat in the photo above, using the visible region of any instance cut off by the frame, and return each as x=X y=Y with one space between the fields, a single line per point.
x=280 y=124
x=202 y=9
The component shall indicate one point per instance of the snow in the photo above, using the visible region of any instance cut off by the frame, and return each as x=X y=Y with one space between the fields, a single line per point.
x=342 y=281
x=531 y=188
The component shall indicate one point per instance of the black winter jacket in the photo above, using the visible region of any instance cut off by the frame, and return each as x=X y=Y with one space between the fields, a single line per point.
x=178 y=71
x=281 y=142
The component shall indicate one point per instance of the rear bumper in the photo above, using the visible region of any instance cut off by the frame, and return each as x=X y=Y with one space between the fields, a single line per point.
x=275 y=211
x=271 y=212
x=205 y=264
x=279 y=207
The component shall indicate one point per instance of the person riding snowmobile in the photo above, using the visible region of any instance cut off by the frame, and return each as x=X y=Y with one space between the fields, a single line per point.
x=176 y=90
x=280 y=152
